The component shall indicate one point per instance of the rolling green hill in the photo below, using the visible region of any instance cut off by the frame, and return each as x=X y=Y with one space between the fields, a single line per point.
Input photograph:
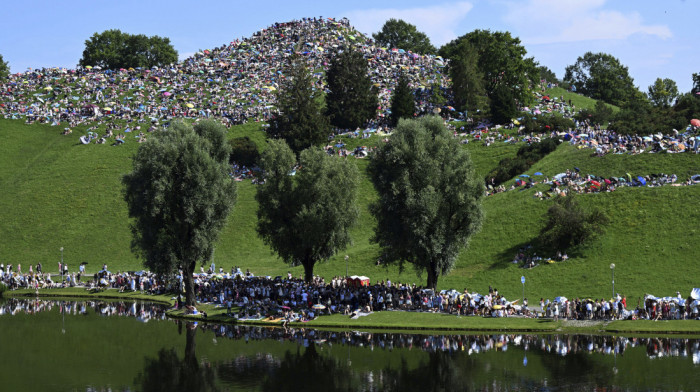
x=56 y=192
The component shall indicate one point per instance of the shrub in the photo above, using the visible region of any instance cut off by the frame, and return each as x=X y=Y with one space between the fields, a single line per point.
x=527 y=156
x=244 y=151
x=569 y=224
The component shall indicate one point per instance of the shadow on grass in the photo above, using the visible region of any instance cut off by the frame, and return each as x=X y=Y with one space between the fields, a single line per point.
x=529 y=249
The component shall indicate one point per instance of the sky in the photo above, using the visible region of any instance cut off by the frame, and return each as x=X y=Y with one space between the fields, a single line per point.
x=653 y=38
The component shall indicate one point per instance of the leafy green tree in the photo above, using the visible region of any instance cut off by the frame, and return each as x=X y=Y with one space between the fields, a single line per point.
x=305 y=218
x=503 y=105
x=639 y=116
x=601 y=114
x=688 y=106
x=696 y=84
x=437 y=98
x=403 y=103
x=114 y=49
x=467 y=81
x=244 y=151
x=352 y=99
x=546 y=74
x=664 y=92
x=601 y=76
x=179 y=195
x=429 y=201
x=402 y=35
x=570 y=224
x=301 y=122
x=4 y=68
x=501 y=61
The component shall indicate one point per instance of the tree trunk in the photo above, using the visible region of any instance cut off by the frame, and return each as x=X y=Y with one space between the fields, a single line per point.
x=308 y=271
x=432 y=276
x=190 y=297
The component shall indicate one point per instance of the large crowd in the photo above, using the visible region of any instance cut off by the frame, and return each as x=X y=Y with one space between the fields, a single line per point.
x=235 y=83
x=289 y=299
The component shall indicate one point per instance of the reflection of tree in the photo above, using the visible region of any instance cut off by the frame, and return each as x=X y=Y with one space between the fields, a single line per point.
x=440 y=373
x=309 y=371
x=168 y=373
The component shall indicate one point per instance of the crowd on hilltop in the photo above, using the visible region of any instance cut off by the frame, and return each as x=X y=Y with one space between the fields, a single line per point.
x=237 y=82
x=234 y=83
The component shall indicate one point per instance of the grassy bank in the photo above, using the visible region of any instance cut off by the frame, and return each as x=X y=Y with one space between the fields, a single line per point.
x=55 y=192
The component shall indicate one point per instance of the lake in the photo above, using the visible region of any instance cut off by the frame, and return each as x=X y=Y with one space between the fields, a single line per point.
x=68 y=345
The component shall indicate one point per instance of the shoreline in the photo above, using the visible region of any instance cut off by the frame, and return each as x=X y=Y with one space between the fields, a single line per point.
x=399 y=321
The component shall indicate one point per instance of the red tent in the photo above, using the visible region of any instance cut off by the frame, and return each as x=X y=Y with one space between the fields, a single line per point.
x=358 y=281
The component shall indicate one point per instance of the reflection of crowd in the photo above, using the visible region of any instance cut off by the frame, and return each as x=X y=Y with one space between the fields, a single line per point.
x=142 y=310
x=473 y=344
x=558 y=344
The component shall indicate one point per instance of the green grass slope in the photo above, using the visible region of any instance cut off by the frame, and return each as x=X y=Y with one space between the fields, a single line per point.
x=578 y=100
x=57 y=193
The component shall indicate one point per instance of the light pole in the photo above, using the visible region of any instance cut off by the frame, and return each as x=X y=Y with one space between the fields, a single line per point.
x=612 y=268
x=346 y=265
x=61 y=271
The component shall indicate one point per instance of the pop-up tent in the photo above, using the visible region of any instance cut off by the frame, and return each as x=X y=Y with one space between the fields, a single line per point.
x=358 y=281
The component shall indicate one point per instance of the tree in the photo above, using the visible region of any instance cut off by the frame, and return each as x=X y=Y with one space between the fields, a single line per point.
x=639 y=116
x=244 y=151
x=403 y=103
x=113 y=49
x=300 y=122
x=501 y=61
x=467 y=81
x=4 y=68
x=352 y=99
x=429 y=201
x=437 y=97
x=688 y=106
x=663 y=93
x=503 y=105
x=696 y=84
x=402 y=35
x=601 y=114
x=601 y=76
x=179 y=195
x=305 y=217
x=569 y=224
x=546 y=74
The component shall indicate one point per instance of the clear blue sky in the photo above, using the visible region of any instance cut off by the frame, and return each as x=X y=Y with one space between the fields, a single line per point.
x=654 y=38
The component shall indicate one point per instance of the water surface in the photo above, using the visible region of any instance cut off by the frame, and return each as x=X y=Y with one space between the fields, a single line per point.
x=78 y=345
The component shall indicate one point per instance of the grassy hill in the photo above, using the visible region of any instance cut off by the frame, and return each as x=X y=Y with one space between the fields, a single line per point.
x=578 y=100
x=55 y=192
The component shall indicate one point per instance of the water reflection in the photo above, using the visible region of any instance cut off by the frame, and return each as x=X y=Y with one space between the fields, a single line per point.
x=213 y=357
x=167 y=372
x=561 y=345
x=143 y=311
